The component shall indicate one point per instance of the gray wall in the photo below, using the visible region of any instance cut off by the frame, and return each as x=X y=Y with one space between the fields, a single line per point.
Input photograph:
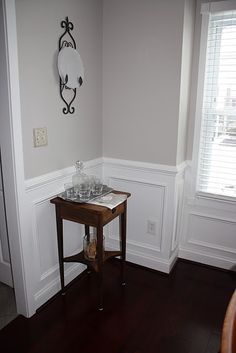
x=142 y=61
x=134 y=101
x=78 y=136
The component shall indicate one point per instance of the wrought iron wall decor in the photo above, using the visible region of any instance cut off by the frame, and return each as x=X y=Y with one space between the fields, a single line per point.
x=70 y=67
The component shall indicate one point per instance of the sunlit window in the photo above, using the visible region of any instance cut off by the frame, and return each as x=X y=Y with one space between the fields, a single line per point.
x=217 y=157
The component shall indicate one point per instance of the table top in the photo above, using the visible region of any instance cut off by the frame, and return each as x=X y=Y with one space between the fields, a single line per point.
x=96 y=209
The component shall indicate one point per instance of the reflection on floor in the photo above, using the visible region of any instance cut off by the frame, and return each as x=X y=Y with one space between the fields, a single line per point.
x=7 y=305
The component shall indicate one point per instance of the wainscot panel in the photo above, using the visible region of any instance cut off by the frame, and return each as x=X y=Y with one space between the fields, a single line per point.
x=208 y=229
x=44 y=239
x=157 y=199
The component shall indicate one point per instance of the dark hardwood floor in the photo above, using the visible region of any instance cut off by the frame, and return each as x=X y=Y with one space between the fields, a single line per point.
x=178 y=313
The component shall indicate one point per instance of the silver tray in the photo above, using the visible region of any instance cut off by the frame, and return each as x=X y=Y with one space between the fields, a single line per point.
x=105 y=190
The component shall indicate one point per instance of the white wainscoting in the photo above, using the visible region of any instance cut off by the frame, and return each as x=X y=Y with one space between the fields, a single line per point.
x=208 y=229
x=39 y=191
x=156 y=196
x=192 y=228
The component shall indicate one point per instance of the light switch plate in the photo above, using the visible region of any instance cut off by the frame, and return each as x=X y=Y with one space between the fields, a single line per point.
x=40 y=136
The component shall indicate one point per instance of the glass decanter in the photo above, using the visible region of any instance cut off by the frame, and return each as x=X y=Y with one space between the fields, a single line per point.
x=81 y=183
x=78 y=177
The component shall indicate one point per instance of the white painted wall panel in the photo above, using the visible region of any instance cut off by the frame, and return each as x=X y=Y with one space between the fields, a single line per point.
x=45 y=235
x=146 y=203
x=212 y=232
x=207 y=229
x=155 y=196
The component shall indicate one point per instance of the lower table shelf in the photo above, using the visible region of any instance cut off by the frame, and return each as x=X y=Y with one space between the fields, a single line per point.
x=79 y=257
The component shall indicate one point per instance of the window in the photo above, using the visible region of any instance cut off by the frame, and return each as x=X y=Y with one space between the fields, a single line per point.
x=217 y=148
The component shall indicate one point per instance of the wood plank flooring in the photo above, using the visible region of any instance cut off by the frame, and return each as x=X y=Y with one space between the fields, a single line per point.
x=155 y=313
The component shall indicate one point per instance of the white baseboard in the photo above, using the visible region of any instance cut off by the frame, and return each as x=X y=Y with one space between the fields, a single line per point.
x=207 y=259
x=154 y=263
x=54 y=286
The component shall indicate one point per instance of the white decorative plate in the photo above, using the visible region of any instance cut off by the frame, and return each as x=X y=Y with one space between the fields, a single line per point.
x=70 y=65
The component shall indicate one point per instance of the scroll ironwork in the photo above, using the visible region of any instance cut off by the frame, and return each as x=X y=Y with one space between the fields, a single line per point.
x=67 y=40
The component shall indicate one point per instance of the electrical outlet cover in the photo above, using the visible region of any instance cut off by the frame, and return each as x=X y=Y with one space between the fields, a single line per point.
x=40 y=136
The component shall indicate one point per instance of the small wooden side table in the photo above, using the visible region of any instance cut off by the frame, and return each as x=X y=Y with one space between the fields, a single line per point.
x=94 y=216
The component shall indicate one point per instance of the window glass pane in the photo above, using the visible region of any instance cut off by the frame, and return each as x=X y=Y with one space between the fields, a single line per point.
x=217 y=164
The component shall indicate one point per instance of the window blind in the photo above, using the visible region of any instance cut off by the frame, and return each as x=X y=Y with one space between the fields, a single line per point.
x=217 y=155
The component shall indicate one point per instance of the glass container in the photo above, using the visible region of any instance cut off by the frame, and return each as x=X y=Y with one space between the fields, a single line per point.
x=78 y=177
x=90 y=246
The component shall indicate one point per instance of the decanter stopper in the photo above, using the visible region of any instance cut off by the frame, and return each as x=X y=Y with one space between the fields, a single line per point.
x=79 y=165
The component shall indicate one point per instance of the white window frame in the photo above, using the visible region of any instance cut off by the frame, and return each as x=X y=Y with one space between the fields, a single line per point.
x=206 y=9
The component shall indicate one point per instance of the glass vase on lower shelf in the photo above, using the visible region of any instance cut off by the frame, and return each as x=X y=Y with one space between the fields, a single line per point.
x=90 y=247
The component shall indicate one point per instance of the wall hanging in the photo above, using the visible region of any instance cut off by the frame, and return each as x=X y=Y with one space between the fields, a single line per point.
x=70 y=67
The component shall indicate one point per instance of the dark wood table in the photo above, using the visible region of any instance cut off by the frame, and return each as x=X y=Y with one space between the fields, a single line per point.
x=94 y=216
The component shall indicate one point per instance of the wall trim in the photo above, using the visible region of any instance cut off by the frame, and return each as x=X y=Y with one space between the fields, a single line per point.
x=16 y=203
x=144 y=166
x=206 y=258
x=213 y=218
x=153 y=262
x=140 y=181
x=211 y=246
x=58 y=175
x=48 y=178
x=42 y=180
x=53 y=287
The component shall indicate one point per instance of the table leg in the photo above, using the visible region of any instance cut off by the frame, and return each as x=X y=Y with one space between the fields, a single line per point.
x=87 y=234
x=87 y=231
x=122 y=224
x=60 y=247
x=100 y=264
